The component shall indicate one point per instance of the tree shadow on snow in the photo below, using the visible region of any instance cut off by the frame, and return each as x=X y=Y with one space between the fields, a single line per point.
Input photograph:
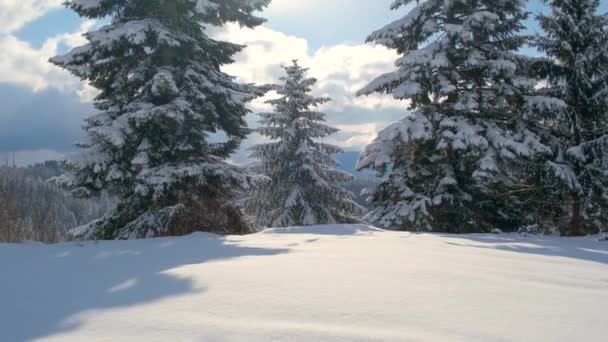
x=42 y=289
x=583 y=248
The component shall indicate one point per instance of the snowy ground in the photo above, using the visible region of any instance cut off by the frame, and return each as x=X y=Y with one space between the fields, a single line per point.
x=340 y=283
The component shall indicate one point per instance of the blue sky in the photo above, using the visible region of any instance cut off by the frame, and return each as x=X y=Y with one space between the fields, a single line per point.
x=338 y=21
x=44 y=107
x=55 y=22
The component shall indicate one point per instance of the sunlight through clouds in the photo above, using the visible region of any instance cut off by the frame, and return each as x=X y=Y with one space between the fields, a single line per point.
x=291 y=5
x=341 y=70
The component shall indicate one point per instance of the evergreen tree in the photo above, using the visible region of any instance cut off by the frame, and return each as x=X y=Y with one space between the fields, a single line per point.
x=304 y=187
x=576 y=71
x=162 y=94
x=468 y=89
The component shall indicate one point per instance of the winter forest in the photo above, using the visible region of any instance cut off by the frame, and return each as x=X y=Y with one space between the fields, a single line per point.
x=499 y=157
x=491 y=139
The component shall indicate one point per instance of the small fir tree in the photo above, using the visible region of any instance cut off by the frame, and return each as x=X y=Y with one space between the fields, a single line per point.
x=304 y=188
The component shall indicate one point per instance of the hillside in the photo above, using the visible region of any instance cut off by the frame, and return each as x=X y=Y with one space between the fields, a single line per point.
x=331 y=283
x=33 y=209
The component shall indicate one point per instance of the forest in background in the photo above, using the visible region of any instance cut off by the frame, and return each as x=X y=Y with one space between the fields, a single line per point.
x=32 y=209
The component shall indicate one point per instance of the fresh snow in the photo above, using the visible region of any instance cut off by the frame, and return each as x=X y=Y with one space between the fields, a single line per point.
x=326 y=283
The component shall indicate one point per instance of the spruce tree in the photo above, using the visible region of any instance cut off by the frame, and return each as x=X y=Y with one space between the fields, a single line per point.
x=305 y=186
x=468 y=90
x=576 y=71
x=162 y=94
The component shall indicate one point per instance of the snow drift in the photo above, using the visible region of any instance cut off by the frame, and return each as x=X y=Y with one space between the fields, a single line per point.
x=330 y=283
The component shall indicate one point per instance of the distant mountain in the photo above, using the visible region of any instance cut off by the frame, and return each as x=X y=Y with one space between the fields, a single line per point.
x=349 y=161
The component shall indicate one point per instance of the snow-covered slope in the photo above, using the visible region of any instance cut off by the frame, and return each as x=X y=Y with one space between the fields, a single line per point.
x=337 y=283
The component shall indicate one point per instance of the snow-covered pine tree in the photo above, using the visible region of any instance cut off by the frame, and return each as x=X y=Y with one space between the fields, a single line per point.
x=468 y=92
x=576 y=71
x=305 y=186
x=162 y=94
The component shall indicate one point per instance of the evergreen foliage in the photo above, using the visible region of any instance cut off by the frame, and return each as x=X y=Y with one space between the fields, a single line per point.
x=471 y=100
x=162 y=94
x=575 y=41
x=305 y=187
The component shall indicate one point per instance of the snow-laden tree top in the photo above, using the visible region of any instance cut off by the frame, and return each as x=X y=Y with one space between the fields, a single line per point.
x=458 y=40
x=215 y=12
x=458 y=60
x=576 y=39
x=305 y=187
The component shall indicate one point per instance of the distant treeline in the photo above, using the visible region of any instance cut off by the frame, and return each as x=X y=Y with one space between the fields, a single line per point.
x=32 y=209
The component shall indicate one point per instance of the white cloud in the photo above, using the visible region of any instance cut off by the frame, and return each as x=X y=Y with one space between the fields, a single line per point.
x=16 y=13
x=341 y=70
x=281 y=6
x=356 y=135
x=24 y=65
x=348 y=66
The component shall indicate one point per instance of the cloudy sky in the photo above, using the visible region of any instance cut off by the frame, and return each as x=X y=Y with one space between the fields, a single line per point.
x=42 y=107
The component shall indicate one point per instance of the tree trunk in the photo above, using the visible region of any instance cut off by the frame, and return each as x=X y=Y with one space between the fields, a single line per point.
x=576 y=228
x=577 y=219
